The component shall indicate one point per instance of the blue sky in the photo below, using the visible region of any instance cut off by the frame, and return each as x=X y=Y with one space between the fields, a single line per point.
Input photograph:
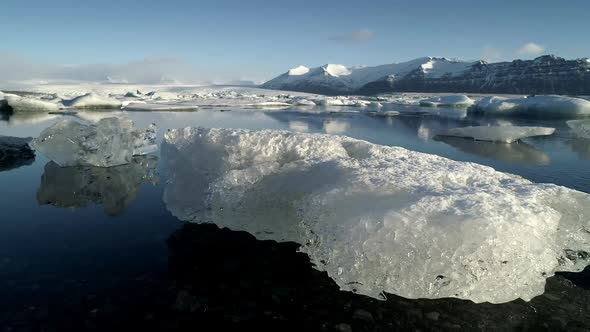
x=259 y=39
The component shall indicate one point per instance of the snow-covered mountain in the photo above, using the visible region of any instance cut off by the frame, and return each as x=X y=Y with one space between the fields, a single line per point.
x=543 y=75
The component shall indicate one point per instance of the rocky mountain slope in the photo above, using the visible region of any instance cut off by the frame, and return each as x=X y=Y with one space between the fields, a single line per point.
x=546 y=74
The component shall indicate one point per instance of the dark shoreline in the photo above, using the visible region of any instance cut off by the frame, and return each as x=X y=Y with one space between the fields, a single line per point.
x=221 y=279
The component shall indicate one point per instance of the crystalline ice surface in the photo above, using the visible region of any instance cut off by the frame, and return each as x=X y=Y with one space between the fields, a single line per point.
x=505 y=134
x=109 y=142
x=380 y=218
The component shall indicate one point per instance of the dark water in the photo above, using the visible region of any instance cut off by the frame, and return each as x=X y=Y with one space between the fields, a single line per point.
x=108 y=255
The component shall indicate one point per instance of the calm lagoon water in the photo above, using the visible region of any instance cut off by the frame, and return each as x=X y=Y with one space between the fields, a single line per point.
x=123 y=261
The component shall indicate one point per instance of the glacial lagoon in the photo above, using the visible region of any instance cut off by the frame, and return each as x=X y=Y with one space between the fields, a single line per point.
x=73 y=254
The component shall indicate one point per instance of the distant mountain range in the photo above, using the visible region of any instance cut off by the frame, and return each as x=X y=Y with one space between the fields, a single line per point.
x=546 y=74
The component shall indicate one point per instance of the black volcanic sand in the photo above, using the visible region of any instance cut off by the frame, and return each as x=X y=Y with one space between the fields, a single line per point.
x=219 y=279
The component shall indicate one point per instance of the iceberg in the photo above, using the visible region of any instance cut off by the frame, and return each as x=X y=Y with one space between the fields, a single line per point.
x=20 y=104
x=535 y=106
x=381 y=219
x=580 y=127
x=93 y=100
x=113 y=187
x=15 y=152
x=159 y=107
x=448 y=101
x=504 y=134
x=109 y=142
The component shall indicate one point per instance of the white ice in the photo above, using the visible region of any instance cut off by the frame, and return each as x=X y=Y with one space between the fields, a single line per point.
x=379 y=218
x=20 y=103
x=93 y=100
x=536 y=106
x=109 y=142
x=580 y=127
x=450 y=101
x=504 y=134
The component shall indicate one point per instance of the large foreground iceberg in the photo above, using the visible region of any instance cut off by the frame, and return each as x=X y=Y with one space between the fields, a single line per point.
x=381 y=219
x=504 y=134
x=535 y=106
x=109 y=142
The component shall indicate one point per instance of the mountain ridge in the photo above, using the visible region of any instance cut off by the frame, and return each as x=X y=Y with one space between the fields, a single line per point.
x=547 y=74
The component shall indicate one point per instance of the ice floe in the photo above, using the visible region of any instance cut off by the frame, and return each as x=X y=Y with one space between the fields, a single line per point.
x=109 y=142
x=580 y=127
x=93 y=100
x=449 y=101
x=381 y=219
x=504 y=134
x=535 y=106
x=21 y=103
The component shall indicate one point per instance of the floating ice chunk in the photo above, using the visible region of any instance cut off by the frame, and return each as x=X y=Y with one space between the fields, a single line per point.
x=92 y=100
x=304 y=102
x=110 y=142
x=504 y=134
x=449 y=101
x=15 y=152
x=159 y=107
x=380 y=218
x=268 y=104
x=19 y=103
x=113 y=187
x=580 y=127
x=553 y=106
x=385 y=113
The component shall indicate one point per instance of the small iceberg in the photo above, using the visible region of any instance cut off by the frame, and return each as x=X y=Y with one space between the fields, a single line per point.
x=580 y=127
x=379 y=218
x=109 y=142
x=504 y=134
x=533 y=106
x=22 y=104
x=93 y=100
x=160 y=107
x=447 y=101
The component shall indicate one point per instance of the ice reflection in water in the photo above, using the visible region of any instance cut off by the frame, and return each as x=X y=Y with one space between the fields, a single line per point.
x=112 y=187
x=516 y=152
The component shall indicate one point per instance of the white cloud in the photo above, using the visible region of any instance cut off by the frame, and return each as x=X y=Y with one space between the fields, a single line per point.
x=491 y=54
x=147 y=71
x=360 y=36
x=530 y=50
